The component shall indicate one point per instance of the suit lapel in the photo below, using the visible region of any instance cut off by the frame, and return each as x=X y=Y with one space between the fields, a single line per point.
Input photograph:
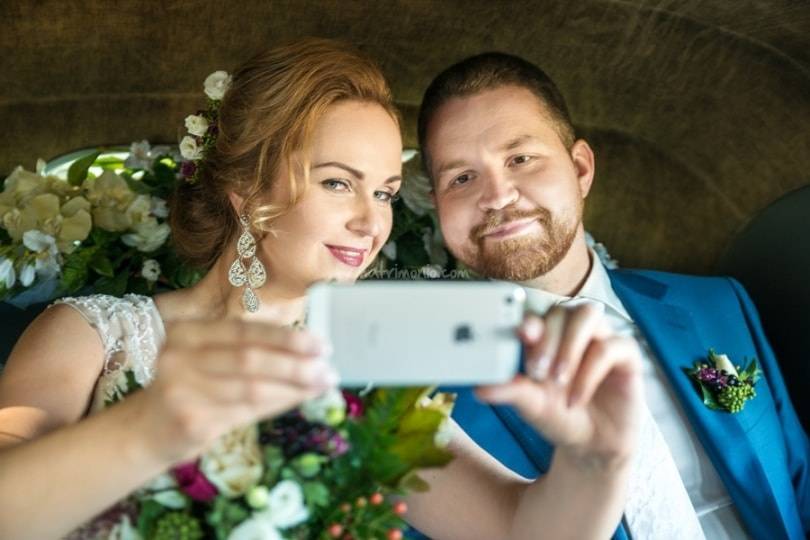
x=671 y=334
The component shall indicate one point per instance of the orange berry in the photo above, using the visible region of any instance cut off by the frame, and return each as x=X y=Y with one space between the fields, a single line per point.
x=376 y=499
x=394 y=534
x=361 y=502
x=335 y=530
x=400 y=508
x=345 y=508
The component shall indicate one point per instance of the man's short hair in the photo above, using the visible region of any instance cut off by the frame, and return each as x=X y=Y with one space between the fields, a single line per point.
x=488 y=71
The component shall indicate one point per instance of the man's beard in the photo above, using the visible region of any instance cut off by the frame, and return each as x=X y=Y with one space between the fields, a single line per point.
x=525 y=257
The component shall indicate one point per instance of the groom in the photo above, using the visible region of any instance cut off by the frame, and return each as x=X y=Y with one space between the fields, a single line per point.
x=510 y=180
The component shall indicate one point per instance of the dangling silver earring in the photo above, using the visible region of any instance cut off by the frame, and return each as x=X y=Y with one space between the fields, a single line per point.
x=254 y=275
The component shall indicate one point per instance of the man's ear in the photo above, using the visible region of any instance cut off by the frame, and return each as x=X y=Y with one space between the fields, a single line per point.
x=584 y=164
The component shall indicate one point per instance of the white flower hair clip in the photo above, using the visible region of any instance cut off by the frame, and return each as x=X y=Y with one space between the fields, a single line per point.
x=202 y=127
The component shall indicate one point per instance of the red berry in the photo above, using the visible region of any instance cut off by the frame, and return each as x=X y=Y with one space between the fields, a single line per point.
x=400 y=508
x=335 y=530
x=394 y=534
x=361 y=502
x=376 y=499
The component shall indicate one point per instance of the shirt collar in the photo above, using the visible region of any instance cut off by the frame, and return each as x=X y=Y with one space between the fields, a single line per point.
x=596 y=288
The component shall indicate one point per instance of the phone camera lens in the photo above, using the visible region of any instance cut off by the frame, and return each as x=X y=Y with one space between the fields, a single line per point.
x=510 y=300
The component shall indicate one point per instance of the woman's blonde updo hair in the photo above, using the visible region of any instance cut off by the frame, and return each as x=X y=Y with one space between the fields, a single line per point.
x=266 y=122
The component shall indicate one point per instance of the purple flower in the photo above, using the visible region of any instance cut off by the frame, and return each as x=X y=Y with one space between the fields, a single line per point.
x=714 y=378
x=193 y=482
x=188 y=168
x=337 y=445
x=354 y=405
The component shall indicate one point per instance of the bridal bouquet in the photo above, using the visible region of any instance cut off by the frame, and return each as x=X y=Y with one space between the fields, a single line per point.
x=335 y=468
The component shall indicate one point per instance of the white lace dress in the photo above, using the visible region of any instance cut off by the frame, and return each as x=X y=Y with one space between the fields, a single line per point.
x=132 y=332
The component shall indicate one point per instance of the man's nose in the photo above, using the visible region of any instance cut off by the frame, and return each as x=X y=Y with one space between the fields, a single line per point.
x=497 y=193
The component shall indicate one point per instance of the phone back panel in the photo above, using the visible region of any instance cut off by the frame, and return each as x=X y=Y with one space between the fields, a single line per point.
x=419 y=333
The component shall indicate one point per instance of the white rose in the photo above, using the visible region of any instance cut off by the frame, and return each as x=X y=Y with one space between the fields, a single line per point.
x=255 y=528
x=328 y=408
x=196 y=125
x=7 y=273
x=150 y=270
x=234 y=462
x=217 y=84
x=189 y=149
x=285 y=506
x=148 y=235
x=722 y=361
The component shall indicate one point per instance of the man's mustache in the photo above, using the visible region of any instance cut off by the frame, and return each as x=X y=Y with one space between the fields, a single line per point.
x=495 y=219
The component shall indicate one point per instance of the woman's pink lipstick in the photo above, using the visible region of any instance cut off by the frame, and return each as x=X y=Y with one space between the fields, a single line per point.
x=347 y=255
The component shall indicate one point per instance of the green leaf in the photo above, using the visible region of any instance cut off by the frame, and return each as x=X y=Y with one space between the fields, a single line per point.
x=413 y=482
x=751 y=372
x=101 y=264
x=149 y=512
x=316 y=494
x=75 y=269
x=114 y=286
x=225 y=516
x=709 y=399
x=78 y=169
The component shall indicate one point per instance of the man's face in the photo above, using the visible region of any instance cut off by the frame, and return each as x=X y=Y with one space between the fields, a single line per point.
x=508 y=192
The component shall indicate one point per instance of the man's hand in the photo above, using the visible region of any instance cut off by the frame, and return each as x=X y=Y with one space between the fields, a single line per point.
x=582 y=390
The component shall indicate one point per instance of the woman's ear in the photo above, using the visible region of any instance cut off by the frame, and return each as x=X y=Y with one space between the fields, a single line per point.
x=237 y=202
x=585 y=165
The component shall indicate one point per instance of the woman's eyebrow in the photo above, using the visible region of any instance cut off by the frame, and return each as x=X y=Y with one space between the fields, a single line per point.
x=351 y=170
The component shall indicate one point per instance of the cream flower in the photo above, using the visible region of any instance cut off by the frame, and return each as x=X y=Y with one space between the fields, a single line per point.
x=140 y=209
x=216 y=84
x=196 y=125
x=147 y=236
x=234 y=462
x=189 y=148
x=110 y=196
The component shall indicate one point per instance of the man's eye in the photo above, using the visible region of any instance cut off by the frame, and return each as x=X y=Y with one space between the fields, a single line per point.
x=520 y=160
x=333 y=184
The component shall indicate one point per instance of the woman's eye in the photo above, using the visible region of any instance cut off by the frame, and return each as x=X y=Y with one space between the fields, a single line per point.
x=334 y=184
x=386 y=196
x=460 y=179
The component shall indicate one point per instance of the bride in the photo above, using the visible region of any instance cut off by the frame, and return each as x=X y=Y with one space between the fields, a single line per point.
x=306 y=160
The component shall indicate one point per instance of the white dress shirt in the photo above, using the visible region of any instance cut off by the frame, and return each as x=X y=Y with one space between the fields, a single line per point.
x=714 y=508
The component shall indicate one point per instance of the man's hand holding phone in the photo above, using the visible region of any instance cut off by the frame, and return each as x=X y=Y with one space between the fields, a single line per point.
x=582 y=387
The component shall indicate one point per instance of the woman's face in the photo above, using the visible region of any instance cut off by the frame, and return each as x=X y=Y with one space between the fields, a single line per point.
x=343 y=219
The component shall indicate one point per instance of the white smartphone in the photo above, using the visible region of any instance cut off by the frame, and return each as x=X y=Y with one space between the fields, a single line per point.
x=408 y=333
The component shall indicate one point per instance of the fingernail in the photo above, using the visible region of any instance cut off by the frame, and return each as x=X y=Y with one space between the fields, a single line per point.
x=531 y=329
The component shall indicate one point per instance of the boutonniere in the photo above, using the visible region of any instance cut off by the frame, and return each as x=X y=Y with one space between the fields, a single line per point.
x=724 y=386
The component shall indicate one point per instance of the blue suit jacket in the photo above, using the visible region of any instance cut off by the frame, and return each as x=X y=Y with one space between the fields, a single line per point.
x=761 y=453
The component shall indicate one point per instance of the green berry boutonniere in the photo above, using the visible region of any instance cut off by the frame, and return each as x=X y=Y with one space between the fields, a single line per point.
x=724 y=386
